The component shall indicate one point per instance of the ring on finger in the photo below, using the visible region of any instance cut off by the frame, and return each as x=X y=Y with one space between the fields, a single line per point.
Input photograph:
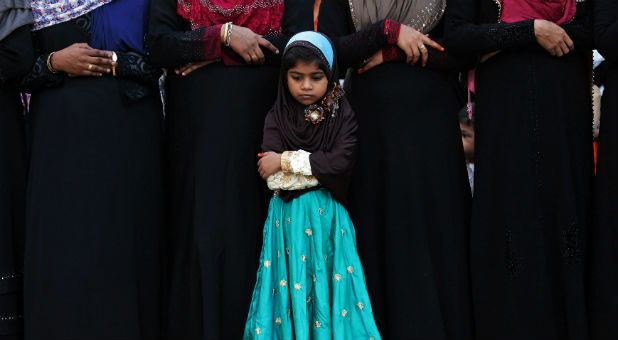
x=422 y=47
x=90 y=66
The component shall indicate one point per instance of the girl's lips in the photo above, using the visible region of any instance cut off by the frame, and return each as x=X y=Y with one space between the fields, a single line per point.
x=306 y=96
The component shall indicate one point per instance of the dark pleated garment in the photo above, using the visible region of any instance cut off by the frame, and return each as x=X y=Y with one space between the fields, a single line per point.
x=15 y=60
x=95 y=210
x=410 y=202
x=12 y=211
x=533 y=175
x=603 y=257
x=218 y=200
x=532 y=195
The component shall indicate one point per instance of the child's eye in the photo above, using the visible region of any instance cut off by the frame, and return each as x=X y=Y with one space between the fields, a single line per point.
x=318 y=78
x=296 y=77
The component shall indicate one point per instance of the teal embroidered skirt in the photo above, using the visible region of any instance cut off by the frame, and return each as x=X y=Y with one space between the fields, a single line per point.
x=310 y=283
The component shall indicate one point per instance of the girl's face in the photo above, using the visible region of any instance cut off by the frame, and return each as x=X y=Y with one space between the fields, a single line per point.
x=307 y=82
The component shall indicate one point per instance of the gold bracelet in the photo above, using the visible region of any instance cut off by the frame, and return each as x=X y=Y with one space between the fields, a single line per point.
x=228 y=38
x=225 y=32
x=49 y=64
x=114 y=59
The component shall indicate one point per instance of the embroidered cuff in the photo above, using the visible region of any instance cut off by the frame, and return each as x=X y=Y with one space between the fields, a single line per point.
x=392 y=53
x=391 y=31
x=296 y=162
x=289 y=181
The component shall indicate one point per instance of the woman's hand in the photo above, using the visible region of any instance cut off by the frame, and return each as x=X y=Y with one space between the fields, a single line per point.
x=190 y=67
x=552 y=38
x=375 y=60
x=247 y=44
x=413 y=43
x=269 y=164
x=82 y=60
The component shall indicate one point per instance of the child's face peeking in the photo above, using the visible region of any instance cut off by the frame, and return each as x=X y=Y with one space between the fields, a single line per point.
x=307 y=83
x=467 y=137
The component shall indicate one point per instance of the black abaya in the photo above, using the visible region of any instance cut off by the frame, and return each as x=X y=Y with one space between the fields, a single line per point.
x=533 y=175
x=603 y=258
x=15 y=60
x=410 y=200
x=217 y=198
x=94 y=214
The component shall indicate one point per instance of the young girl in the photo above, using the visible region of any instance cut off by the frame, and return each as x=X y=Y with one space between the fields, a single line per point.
x=310 y=284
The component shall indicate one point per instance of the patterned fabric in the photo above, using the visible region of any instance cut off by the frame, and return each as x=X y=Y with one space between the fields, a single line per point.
x=310 y=283
x=296 y=162
x=290 y=181
x=261 y=16
x=51 y=12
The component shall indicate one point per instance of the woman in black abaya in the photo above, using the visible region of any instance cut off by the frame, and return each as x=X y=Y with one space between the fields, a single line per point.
x=16 y=58
x=533 y=163
x=94 y=222
x=603 y=260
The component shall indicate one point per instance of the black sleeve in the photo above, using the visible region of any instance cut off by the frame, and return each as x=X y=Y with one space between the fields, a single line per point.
x=172 y=43
x=605 y=28
x=580 y=28
x=466 y=36
x=16 y=55
x=134 y=66
x=353 y=49
x=40 y=76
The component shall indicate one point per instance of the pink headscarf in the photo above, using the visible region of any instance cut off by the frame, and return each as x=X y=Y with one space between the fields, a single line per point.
x=557 y=11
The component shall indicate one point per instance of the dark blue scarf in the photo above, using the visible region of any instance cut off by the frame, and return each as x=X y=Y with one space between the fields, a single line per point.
x=120 y=26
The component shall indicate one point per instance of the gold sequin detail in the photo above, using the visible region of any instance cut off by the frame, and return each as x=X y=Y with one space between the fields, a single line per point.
x=372 y=338
x=342 y=232
x=289 y=220
x=289 y=312
x=304 y=258
x=325 y=258
x=277 y=223
x=320 y=211
x=273 y=292
x=278 y=253
x=344 y=313
x=314 y=278
x=287 y=251
x=350 y=270
x=309 y=232
x=318 y=324
x=297 y=286
x=258 y=331
x=308 y=299
x=283 y=283
x=266 y=263
x=278 y=321
x=337 y=277
x=360 y=306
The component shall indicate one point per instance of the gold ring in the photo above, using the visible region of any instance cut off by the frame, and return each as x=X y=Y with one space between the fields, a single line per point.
x=422 y=47
x=90 y=67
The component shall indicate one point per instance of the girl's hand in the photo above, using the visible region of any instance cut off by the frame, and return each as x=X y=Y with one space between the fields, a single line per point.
x=269 y=164
x=415 y=43
x=247 y=44
x=190 y=67
x=552 y=38
x=82 y=60
x=375 y=60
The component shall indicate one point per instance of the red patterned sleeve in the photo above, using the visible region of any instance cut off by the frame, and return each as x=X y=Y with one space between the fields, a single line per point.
x=172 y=43
x=391 y=31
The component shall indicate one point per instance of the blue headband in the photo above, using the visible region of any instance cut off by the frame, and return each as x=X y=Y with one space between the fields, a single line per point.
x=318 y=40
